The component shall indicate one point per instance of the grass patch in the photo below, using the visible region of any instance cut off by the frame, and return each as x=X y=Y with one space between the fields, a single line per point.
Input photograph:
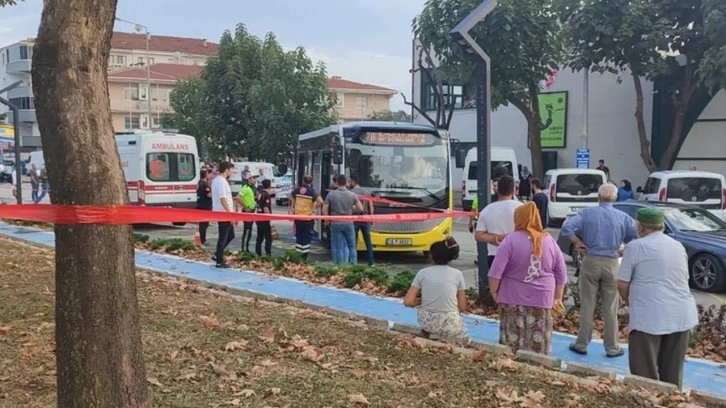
x=205 y=350
x=172 y=244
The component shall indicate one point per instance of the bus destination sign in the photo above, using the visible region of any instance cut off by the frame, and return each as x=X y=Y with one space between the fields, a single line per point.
x=391 y=138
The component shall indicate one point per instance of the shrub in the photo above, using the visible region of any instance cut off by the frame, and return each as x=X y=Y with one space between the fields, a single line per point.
x=352 y=278
x=293 y=256
x=326 y=271
x=172 y=244
x=401 y=282
x=246 y=257
x=142 y=238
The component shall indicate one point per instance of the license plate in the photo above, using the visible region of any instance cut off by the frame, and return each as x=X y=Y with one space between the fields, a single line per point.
x=576 y=208
x=399 y=241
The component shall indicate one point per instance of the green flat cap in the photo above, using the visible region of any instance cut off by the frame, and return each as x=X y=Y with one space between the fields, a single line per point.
x=652 y=216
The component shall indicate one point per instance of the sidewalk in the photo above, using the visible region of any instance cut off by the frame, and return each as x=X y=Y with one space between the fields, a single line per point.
x=701 y=375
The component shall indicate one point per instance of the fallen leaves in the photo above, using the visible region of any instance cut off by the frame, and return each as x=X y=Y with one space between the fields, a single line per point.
x=359 y=399
x=210 y=322
x=5 y=329
x=267 y=336
x=236 y=345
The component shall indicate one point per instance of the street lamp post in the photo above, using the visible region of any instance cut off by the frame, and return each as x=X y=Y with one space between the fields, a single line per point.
x=138 y=27
x=473 y=52
x=16 y=129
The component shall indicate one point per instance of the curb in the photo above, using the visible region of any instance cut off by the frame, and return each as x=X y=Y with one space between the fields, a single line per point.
x=710 y=399
x=583 y=369
x=539 y=359
x=647 y=383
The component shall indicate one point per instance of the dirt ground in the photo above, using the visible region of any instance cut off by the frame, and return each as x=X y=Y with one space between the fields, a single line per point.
x=206 y=349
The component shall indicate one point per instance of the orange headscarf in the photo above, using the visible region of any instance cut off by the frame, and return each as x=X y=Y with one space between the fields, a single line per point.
x=526 y=218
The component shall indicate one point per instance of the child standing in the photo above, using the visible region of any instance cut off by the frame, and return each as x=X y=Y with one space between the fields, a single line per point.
x=443 y=296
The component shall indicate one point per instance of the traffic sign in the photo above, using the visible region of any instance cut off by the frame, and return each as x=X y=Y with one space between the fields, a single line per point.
x=583 y=158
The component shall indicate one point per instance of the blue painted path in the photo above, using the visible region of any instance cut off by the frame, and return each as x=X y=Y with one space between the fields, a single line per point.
x=698 y=374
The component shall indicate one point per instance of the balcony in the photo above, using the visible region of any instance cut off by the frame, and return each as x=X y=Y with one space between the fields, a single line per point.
x=21 y=92
x=19 y=67
x=27 y=115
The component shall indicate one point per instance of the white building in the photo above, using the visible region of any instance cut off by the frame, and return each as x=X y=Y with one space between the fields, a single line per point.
x=611 y=127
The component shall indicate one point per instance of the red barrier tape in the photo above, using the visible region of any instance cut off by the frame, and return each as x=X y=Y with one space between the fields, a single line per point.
x=131 y=214
x=393 y=203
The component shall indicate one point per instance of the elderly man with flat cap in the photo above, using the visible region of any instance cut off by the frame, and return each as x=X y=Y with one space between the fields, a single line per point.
x=653 y=280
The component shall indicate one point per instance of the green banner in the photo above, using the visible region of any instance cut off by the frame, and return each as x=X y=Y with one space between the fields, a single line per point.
x=553 y=113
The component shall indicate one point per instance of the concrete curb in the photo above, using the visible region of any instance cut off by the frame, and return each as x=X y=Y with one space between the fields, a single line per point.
x=710 y=399
x=647 y=383
x=539 y=359
x=492 y=348
x=583 y=369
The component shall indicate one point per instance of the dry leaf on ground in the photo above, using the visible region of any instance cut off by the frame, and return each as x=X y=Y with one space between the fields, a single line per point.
x=358 y=399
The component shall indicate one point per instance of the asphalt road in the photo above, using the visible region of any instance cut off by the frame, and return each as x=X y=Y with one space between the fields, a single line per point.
x=394 y=262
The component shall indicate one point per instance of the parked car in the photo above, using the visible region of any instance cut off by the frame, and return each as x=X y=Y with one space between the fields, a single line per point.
x=701 y=233
x=697 y=188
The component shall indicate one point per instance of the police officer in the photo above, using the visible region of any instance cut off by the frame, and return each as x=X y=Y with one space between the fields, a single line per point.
x=304 y=202
x=248 y=202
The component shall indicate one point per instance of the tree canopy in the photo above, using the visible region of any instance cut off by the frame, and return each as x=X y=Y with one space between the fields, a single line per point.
x=522 y=37
x=254 y=99
x=389 y=116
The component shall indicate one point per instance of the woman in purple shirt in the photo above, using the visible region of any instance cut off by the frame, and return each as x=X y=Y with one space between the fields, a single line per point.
x=528 y=279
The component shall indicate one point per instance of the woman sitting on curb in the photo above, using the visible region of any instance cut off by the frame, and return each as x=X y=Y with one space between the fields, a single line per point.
x=527 y=280
x=443 y=296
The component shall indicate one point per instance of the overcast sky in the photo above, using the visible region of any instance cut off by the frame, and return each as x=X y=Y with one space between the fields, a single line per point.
x=362 y=40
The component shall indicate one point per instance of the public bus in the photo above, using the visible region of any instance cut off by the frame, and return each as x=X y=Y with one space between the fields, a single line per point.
x=405 y=163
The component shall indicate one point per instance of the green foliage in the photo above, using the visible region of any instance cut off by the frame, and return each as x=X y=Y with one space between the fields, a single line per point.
x=401 y=282
x=142 y=238
x=523 y=40
x=254 y=99
x=388 y=116
x=354 y=275
x=713 y=64
x=472 y=294
x=4 y=3
x=326 y=270
x=246 y=257
x=172 y=244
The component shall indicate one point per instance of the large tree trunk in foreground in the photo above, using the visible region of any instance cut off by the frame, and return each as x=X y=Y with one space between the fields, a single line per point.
x=98 y=342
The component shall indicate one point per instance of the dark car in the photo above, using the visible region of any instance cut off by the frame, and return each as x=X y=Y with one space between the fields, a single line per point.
x=701 y=233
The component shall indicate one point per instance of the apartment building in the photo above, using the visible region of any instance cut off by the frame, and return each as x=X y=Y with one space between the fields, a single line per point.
x=357 y=101
x=128 y=53
x=136 y=104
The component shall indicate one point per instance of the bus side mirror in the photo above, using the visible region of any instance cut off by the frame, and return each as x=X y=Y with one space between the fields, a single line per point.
x=337 y=154
x=639 y=190
x=460 y=158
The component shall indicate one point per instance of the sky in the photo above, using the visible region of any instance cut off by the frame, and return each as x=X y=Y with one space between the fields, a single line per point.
x=365 y=41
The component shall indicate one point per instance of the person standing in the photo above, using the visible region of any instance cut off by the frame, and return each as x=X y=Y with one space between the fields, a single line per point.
x=204 y=202
x=264 y=229
x=625 y=192
x=363 y=226
x=599 y=233
x=496 y=220
x=540 y=200
x=304 y=201
x=261 y=176
x=44 y=187
x=525 y=183
x=653 y=280
x=527 y=280
x=605 y=169
x=34 y=182
x=246 y=198
x=222 y=201
x=342 y=201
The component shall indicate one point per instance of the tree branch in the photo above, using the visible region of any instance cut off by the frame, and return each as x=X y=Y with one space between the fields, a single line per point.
x=419 y=110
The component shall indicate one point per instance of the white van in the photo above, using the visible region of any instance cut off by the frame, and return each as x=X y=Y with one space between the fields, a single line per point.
x=698 y=188
x=161 y=168
x=570 y=190
x=502 y=160
x=235 y=180
x=36 y=158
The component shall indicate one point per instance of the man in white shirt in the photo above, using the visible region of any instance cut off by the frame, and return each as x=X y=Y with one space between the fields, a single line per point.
x=222 y=201
x=496 y=220
x=653 y=280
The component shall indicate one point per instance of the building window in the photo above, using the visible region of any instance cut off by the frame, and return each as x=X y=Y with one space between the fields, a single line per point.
x=456 y=94
x=339 y=99
x=131 y=93
x=120 y=60
x=140 y=60
x=24 y=103
x=151 y=61
x=362 y=102
x=24 y=54
x=156 y=121
x=131 y=122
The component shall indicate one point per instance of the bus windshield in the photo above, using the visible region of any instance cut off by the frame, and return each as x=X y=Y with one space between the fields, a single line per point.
x=410 y=171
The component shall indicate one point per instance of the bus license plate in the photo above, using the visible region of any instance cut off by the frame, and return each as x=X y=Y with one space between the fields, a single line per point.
x=399 y=241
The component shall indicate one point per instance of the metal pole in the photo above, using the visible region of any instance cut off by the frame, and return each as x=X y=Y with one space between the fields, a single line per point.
x=483 y=143
x=148 y=77
x=585 y=109
x=18 y=165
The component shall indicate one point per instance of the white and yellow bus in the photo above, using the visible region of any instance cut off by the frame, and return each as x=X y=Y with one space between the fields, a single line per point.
x=406 y=163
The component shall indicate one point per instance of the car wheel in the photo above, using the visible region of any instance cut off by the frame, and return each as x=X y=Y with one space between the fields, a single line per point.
x=279 y=203
x=708 y=274
x=426 y=254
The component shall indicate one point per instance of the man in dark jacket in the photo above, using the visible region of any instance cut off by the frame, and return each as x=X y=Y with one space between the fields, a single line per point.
x=204 y=202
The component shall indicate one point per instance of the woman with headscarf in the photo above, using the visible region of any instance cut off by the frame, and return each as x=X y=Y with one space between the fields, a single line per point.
x=625 y=191
x=527 y=279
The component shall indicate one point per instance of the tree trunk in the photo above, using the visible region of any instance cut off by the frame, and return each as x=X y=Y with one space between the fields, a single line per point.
x=681 y=102
x=534 y=130
x=98 y=341
x=642 y=133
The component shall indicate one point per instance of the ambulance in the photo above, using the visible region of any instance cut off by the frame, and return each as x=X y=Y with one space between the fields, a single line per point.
x=161 y=168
